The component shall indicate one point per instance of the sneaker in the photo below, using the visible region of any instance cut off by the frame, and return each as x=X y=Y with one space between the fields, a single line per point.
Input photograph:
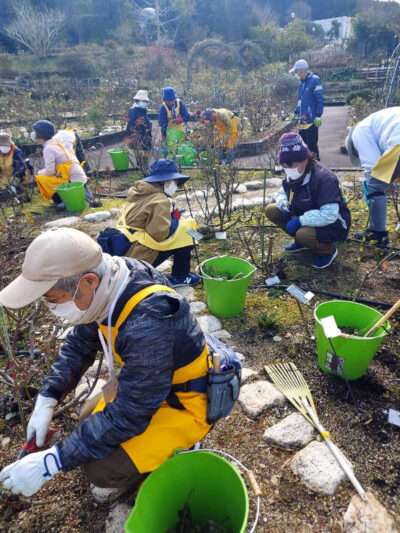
x=190 y=279
x=294 y=248
x=379 y=238
x=324 y=261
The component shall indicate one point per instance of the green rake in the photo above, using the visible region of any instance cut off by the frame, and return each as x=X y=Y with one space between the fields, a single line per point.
x=290 y=381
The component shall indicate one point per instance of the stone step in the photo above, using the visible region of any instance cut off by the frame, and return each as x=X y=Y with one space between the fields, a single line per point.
x=256 y=397
x=293 y=432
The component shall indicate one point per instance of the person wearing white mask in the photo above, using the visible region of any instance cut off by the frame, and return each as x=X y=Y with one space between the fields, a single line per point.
x=154 y=350
x=309 y=206
x=151 y=227
x=12 y=164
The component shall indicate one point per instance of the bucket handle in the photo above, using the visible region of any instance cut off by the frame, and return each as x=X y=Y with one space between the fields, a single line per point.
x=250 y=477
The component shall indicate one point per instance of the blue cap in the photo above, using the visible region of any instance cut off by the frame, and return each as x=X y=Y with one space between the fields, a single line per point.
x=44 y=129
x=165 y=170
x=207 y=114
x=169 y=93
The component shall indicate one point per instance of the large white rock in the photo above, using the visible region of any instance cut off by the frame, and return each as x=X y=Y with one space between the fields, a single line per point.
x=209 y=323
x=98 y=216
x=187 y=292
x=317 y=468
x=254 y=185
x=273 y=182
x=256 y=397
x=63 y=222
x=240 y=189
x=197 y=307
x=292 y=432
x=115 y=211
x=368 y=517
x=117 y=517
x=247 y=374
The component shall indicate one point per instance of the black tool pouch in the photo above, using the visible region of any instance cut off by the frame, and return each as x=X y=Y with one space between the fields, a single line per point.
x=223 y=390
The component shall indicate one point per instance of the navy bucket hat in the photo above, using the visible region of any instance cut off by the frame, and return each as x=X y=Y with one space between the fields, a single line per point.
x=165 y=170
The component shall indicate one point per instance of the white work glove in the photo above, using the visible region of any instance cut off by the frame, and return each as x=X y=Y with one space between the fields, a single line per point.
x=29 y=474
x=40 y=420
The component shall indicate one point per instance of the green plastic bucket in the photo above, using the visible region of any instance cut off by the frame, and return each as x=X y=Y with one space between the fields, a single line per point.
x=187 y=154
x=73 y=196
x=208 y=484
x=119 y=158
x=175 y=136
x=348 y=357
x=226 y=297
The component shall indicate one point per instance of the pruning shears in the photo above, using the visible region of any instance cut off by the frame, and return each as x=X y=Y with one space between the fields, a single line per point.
x=31 y=446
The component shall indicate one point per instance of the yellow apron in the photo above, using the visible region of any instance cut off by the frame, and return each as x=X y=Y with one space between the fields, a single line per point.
x=169 y=429
x=179 y=239
x=386 y=165
x=171 y=123
x=222 y=129
x=6 y=168
x=47 y=185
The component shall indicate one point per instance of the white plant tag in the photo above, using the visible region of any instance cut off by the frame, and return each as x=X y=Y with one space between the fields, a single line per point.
x=394 y=417
x=273 y=280
x=330 y=327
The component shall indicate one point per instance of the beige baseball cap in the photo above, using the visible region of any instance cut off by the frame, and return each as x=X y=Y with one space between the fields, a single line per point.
x=53 y=255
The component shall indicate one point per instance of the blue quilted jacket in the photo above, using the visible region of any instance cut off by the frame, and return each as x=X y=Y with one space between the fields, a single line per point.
x=310 y=99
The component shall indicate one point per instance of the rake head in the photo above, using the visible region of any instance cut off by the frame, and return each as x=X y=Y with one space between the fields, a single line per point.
x=288 y=379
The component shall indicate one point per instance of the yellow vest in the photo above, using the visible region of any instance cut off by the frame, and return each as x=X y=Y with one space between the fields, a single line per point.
x=171 y=123
x=6 y=167
x=169 y=429
x=47 y=185
x=179 y=239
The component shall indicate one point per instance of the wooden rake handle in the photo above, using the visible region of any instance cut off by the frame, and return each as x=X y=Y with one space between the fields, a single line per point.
x=385 y=317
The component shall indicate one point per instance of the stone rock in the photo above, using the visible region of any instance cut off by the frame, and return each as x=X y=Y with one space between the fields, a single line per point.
x=83 y=385
x=249 y=202
x=317 y=468
x=292 y=432
x=117 y=517
x=166 y=266
x=273 y=182
x=102 y=495
x=63 y=222
x=247 y=374
x=368 y=517
x=209 y=323
x=240 y=189
x=222 y=335
x=253 y=185
x=98 y=216
x=5 y=442
x=256 y=397
x=115 y=212
x=187 y=292
x=277 y=338
x=197 y=307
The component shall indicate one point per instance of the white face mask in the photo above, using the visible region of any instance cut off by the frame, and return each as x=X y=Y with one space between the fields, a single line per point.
x=292 y=174
x=33 y=136
x=142 y=104
x=68 y=311
x=5 y=149
x=170 y=188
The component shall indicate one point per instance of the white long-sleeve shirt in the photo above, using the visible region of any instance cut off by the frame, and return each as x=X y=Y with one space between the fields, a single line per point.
x=375 y=135
x=55 y=154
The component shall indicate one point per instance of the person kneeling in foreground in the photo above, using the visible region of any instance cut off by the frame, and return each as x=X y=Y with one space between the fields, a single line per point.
x=153 y=225
x=310 y=205
x=125 y=307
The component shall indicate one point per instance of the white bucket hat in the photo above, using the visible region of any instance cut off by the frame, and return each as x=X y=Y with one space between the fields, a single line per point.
x=142 y=95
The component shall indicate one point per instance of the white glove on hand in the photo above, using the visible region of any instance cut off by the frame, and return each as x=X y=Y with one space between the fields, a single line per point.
x=40 y=420
x=29 y=474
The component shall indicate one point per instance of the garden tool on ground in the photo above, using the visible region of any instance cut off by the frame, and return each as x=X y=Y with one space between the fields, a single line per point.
x=382 y=320
x=31 y=446
x=291 y=383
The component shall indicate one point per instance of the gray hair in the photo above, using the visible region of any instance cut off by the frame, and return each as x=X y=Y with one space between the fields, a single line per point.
x=71 y=283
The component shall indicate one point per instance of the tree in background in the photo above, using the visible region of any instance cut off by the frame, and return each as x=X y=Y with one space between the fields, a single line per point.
x=376 y=29
x=38 y=30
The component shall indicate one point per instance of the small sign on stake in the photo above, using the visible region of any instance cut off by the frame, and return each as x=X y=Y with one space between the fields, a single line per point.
x=298 y=294
x=196 y=235
x=394 y=417
x=272 y=281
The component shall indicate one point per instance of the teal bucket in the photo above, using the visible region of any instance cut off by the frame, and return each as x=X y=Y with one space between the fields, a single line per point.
x=226 y=280
x=348 y=356
x=202 y=482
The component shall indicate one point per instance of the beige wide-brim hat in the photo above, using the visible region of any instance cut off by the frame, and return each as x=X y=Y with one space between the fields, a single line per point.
x=142 y=95
x=5 y=138
x=53 y=255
